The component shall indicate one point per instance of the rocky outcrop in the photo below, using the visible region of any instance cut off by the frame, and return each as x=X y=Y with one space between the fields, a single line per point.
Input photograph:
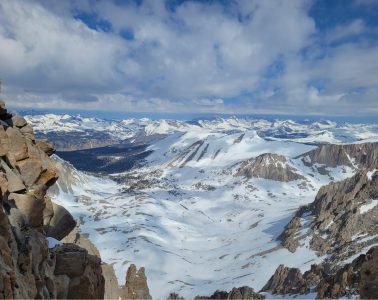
x=112 y=290
x=28 y=267
x=340 y=219
x=268 y=166
x=136 y=285
x=329 y=281
x=369 y=275
x=353 y=155
x=244 y=292
x=286 y=281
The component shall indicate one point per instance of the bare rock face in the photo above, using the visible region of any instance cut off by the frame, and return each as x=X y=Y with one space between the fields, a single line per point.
x=28 y=268
x=353 y=155
x=268 y=166
x=369 y=275
x=136 y=285
x=286 y=281
x=342 y=214
x=111 y=281
x=244 y=292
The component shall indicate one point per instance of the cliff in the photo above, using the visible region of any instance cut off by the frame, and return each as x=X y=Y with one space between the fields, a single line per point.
x=33 y=263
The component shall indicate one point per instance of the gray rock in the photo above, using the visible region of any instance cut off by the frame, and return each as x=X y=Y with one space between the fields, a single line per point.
x=268 y=166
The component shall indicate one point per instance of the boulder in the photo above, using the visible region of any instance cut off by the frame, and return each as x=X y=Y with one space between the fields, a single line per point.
x=4 y=142
x=17 y=144
x=46 y=146
x=18 y=121
x=71 y=260
x=61 y=224
x=30 y=207
x=15 y=183
x=30 y=170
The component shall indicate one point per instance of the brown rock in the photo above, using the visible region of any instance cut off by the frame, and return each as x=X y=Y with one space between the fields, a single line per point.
x=46 y=146
x=286 y=281
x=136 y=284
x=4 y=142
x=30 y=207
x=244 y=293
x=17 y=144
x=71 y=260
x=30 y=170
x=268 y=166
x=15 y=183
x=18 y=121
x=369 y=275
x=61 y=224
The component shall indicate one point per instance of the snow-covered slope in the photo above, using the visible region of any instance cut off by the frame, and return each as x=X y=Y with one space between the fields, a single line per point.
x=189 y=219
x=188 y=214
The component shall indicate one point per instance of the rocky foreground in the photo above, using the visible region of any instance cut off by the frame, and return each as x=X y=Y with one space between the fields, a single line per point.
x=42 y=255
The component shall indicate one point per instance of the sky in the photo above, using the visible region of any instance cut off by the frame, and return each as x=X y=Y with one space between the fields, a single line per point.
x=310 y=57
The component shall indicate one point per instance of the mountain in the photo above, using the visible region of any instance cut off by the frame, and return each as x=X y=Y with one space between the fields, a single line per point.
x=206 y=205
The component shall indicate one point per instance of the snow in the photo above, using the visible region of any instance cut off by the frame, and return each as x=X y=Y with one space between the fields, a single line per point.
x=370 y=174
x=184 y=216
x=372 y=203
x=52 y=242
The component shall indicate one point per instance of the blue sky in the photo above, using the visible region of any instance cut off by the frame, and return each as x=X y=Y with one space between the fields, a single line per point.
x=316 y=57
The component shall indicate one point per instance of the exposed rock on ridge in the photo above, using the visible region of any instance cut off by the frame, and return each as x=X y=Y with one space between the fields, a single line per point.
x=28 y=268
x=268 y=166
x=340 y=218
x=352 y=155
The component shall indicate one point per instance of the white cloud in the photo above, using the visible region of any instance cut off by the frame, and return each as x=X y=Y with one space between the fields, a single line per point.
x=192 y=58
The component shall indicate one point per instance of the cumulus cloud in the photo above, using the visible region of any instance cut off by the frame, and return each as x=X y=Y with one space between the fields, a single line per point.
x=245 y=56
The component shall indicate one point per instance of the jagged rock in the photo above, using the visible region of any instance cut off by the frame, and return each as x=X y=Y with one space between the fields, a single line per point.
x=286 y=281
x=30 y=170
x=27 y=266
x=136 y=284
x=353 y=155
x=61 y=224
x=31 y=208
x=84 y=271
x=268 y=166
x=17 y=144
x=340 y=213
x=46 y=146
x=18 y=121
x=244 y=293
x=15 y=183
x=369 y=275
x=174 y=296
x=216 y=295
x=28 y=132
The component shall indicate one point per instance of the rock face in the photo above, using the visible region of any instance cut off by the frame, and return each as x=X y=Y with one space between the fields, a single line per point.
x=330 y=282
x=369 y=275
x=136 y=285
x=28 y=268
x=286 y=281
x=353 y=155
x=340 y=218
x=244 y=292
x=268 y=166
x=112 y=290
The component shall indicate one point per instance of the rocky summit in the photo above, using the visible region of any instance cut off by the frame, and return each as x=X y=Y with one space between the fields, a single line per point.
x=33 y=263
